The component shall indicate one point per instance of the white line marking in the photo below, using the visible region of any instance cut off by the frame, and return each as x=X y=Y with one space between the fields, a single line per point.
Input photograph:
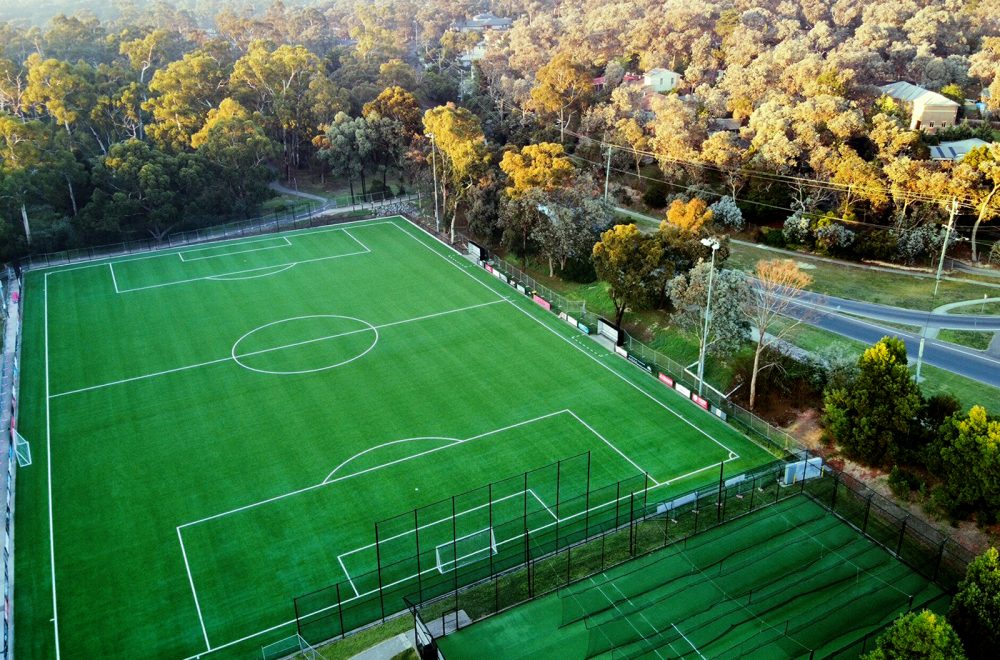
x=286 y=243
x=619 y=451
x=690 y=643
x=48 y=466
x=386 y=444
x=642 y=615
x=193 y=591
x=340 y=560
x=272 y=349
x=569 y=341
x=732 y=457
x=354 y=238
x=544 y=505
x=169 y=251
x=114 y=280
x=371 y=469
x=368 y=327
x=226 y=278
x=218 y=276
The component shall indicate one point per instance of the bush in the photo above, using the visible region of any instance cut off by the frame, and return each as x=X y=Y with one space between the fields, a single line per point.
x=773 y=237
x=797 y=229
x=834 y=238
x=726 y=213
x=975 y=610
x=902 y=482
x=918 y=635
x=655 y=196
x=880 y=245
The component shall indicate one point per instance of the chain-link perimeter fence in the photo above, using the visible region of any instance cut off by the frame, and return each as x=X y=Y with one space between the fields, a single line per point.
x=660 y=524
x=300 y=216
x=468 y=538
x=670 y=372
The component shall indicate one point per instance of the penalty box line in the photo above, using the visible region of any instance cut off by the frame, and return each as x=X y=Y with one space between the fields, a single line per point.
x=490 y=286
x=329 y=608
x=220 y=276
x=287 y=243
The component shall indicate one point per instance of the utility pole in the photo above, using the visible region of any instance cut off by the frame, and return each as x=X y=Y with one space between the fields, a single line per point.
x=937 y=281
x=607 y=172
x=714 y=244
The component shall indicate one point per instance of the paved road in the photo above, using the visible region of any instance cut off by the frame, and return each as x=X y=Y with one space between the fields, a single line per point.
x=966 y=362
x=902 y=315
x=830 y=313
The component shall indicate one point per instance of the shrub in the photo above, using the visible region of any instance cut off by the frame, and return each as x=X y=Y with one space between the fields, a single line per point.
x=797 y=229
x=975 y=610
x=726 y=213
x=879 y=245
x=833 y=237
x=655 y=196
x=773 y=237
x=918 y=635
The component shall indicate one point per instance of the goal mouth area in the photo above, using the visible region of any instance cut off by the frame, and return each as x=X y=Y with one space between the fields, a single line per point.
x=465 y=550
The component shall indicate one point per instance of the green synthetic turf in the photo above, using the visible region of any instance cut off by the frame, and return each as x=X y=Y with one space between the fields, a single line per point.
x=195 y=402
x=784 y=581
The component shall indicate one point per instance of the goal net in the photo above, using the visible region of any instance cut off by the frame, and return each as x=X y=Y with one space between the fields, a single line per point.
x=22 y=450
x=466 y=550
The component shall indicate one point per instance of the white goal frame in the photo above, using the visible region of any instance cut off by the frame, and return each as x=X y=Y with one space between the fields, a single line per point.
x=463 y=560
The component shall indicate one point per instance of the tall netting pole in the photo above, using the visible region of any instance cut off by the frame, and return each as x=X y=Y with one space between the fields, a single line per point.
x=586 y=503
x=416 y=538
x=378 y=564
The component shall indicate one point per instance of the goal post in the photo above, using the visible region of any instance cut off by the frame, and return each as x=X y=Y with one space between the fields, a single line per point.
x=22 y=450
x=465 y=550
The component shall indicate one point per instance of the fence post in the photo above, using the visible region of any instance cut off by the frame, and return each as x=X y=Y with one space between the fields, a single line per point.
x=753 y=491
x=718 y=502
x=558 y=476
x=586 y=503
x=618 y=498
x=940 y=557
x=527 y=555
x=833 y=500
x=868 y=508
x=902 y=531
x=631 y=525
x=454 y=551
x=489 y=492
x=340 y=612
x=416 y=538
x=378 y=564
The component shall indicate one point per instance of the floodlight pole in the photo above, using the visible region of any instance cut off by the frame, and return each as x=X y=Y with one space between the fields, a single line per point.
x=937 y=282
x=714 y=244
x=437 y=217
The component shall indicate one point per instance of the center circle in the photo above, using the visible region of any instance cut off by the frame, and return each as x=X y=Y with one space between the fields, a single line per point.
x=296 y=345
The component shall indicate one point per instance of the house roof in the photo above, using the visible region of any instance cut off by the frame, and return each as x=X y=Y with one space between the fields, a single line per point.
x=725 y=124
x=955 y=150
x=659 y=70
x=487 y=20
x=904 y=91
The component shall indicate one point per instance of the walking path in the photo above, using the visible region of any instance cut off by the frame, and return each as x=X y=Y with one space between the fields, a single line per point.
x=277 y=187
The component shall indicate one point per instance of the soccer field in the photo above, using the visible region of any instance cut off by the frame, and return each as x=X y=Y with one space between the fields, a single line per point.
x=216 y=429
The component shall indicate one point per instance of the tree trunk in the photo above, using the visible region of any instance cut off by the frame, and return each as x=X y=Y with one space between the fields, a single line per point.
x=979 y=219
x=24 y=218
x=552 y=267
x=619 y=315
x=756 y=368
x=72 y=195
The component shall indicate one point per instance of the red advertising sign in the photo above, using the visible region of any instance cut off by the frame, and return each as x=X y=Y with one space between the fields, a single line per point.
x=699 y=401
x=666 y=380
x=542 y=302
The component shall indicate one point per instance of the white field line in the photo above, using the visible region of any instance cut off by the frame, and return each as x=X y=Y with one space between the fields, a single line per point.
x=170 y=251
x=220 y=276
x=618 y=609
x=286 y=243
x=432 y=524
x=274 y=348
x=690 y=643
x=700 y=470
x=114 y=280
x=340 y=561
x=194 y=593
x=405 y=579
x=387 y=444
x=48 y=466
x=544 y=505
x=568 y=341
x=617 y=450
x=642 y=615
x=367 y=470
x=227 y=278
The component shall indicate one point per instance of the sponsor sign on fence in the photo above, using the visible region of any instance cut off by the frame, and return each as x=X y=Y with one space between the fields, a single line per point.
x=666 y=380
x=621 y=351
x=583 y=328
x=703 y=403
x=639 y=363
x=683 y=390
x=542 y=302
